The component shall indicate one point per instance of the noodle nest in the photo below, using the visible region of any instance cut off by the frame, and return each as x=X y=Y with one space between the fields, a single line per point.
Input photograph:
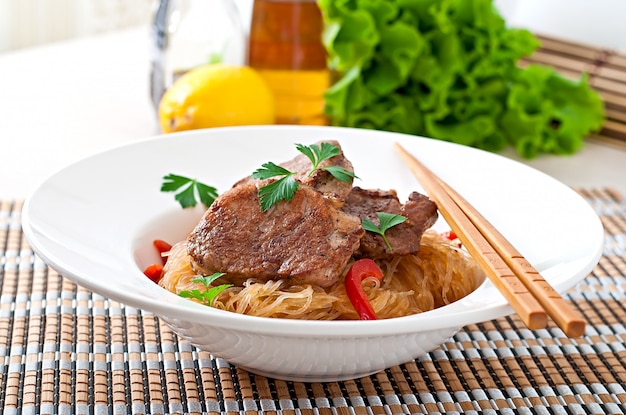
x=439 y=274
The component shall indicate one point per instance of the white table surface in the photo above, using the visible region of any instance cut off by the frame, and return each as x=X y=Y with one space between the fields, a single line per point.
x=62 y=102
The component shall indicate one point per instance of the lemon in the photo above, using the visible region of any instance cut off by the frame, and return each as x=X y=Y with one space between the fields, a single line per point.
x=216 y=95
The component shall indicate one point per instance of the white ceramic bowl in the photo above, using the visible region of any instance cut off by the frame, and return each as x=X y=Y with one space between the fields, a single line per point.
x=94 y=222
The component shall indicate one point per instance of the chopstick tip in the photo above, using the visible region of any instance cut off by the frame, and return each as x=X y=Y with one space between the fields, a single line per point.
x=575 y=328
x=398 y=147
x=537 y=320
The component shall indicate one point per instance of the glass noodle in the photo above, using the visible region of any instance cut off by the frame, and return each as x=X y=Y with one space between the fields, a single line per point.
x=439 y=274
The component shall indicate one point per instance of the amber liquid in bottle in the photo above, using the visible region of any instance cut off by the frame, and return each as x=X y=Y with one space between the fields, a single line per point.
x=286 y=48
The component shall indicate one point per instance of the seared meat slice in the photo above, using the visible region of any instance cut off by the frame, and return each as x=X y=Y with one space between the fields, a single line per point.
x=404 y=238
x=321 y=180
x=307 y=240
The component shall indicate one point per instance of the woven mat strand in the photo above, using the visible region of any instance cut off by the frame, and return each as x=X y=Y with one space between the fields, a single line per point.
x=66 y=350
x=606 y=69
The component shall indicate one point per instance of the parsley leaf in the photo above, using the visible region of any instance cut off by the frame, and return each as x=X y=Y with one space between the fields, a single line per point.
x=340 y=173
x=282 y=189
x=286 y=187
x=386 y=221
x=325 y=151
x=317 y=154
x=188 y=190
x=209 y=294
x=270 y=169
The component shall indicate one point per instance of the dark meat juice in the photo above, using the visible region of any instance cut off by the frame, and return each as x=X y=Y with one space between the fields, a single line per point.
x=286 y=48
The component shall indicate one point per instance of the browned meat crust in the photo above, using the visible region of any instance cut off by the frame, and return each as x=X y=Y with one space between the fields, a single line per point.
x=421 y=214
x=321 y=180
x=311 y=238
x=306 y=240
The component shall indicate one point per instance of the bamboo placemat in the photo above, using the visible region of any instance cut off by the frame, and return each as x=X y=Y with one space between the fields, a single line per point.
x=66 y=350
x=607 y=74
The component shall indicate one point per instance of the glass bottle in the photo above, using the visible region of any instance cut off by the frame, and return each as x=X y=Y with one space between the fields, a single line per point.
x=190 y=33
x=285 y=46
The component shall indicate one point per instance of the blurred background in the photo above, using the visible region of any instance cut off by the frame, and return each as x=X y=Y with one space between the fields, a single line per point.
x=75 y=79
x=26 y=23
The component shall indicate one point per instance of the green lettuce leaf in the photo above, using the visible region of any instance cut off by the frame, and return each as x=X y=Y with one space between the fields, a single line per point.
x=449 y=69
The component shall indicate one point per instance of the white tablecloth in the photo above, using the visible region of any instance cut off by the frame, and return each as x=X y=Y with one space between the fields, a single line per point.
x=64 y=101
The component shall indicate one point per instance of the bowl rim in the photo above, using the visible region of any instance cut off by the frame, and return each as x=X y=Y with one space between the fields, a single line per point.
x=453 y=316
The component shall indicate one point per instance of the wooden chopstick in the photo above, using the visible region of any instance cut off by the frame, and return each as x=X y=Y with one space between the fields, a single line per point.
x=518 y=296
x=530 y=295
x=564 y=315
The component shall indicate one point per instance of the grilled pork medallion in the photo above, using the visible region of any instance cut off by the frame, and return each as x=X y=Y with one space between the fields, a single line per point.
x=310 y=239
x=320 y=180
x=405 y=238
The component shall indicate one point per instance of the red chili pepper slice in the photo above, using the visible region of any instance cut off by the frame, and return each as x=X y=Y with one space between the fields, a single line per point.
x=450 y=235
x=360 y=270
x=162 y=247
x=154 y=272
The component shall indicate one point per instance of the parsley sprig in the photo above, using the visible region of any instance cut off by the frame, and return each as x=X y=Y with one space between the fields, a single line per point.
x=286 y=186
x=386 y=221
x=317 y=154
x=209 y=294
x=282 y=189
x=188 y=190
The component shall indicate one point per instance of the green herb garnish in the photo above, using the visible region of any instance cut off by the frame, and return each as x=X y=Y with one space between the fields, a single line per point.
x=285 y=187
x=386 y=221
x=188 y=190
x=209 y=294
x=317 y=154
x=281 y=189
